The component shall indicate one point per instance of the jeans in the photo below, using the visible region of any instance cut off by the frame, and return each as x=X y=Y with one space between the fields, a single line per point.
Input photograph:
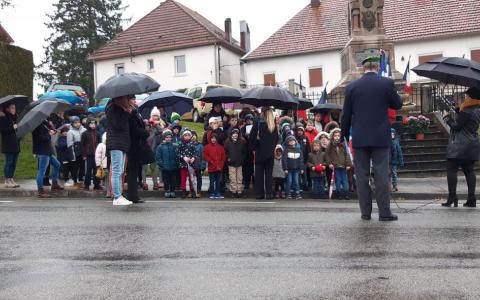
x=468 y=168
x=43 y=162
x=394 y=174
x=318 y=185
x=10 y=164
x=293 y=178
x=117 y=158
x=341 y=180
x=91 y=171
x=215 y=178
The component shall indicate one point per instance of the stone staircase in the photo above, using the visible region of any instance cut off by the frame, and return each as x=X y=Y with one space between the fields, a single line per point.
x=425 y=158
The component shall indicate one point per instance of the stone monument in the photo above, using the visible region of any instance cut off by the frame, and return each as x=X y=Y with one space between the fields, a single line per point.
x=367 y=37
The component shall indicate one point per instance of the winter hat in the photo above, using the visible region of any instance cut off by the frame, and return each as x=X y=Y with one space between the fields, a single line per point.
x=185 y=131
x=214 y=119
x=174 y=117
x=166 y=133
x=249 y=117
x=279 y=147
x=64 y=129
x=334 y=131
x=176 y=126
x=299 y=125
x=74 y=119
x=235 y=130
x=290 y=138
x=316 y=142
x=474 y=93
x=91 y=120
x=155 y=112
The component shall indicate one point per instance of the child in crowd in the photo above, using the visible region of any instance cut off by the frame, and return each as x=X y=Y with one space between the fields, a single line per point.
x=324 y=138
x=154 y=127
x=63 y=155
x=199 y=164
x=339 y=161
x=74 y=143
x=304 y=144
x=293 y=166
x=310 y=131
x=316 y=165
x=166 y=158
x=396 y=159
x=247 y=167
x=90 y=141
x=278 y=174
x=186 y=158
x=214 y=155
x=175 y=118
x=101 y=161
x=235 y=148
x=176 y=138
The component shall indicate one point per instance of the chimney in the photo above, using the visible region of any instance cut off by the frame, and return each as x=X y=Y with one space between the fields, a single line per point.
x=245 y=36
x=228 y=30
x=315 y=3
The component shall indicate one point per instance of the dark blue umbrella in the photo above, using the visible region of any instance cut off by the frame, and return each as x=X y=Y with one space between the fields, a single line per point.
x=171 y=101
x=222 y=95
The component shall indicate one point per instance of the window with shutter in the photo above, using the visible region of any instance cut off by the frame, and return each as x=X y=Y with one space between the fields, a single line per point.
x=426 y=58
x=475 y=55
x=316 y=77
x=269 y=79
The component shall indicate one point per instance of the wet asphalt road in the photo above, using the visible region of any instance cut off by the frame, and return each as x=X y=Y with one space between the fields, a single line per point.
x=69 y=249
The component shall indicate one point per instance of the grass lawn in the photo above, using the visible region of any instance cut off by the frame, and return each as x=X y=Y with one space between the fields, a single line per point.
x=27 y=164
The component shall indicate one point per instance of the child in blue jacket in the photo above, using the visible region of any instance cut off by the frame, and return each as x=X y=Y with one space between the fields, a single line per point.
x=166 y=159
x=200 y=165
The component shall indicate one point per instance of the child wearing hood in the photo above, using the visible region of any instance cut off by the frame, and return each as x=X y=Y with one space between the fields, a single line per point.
x=63 y=155
x=339 y=161
x=214 y=155
x=293 y=166
x=155 y=128
x=278 y=174
x=235 y=149
x=186 y=158
x=74 y=143
x=101 y=161
x=90 y=140
x=247 y=167
x=166 y=157
x=324 y=139
x=176 y=138
x=316 y=165
x=199 y=164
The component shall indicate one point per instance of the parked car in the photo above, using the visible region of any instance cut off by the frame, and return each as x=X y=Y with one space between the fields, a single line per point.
x=71 y=92
x=200 y=108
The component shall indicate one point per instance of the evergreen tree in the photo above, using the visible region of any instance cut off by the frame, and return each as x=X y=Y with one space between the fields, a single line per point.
x=78 y=28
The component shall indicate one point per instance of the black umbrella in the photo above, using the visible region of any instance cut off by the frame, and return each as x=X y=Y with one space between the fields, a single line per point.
x=38 y=114
x=453 y=70
x=20 y=101
x=180 y=102
x=126 y=84
x=326 y=107
x=222 y=95
x=270 y=96
x=304 y=104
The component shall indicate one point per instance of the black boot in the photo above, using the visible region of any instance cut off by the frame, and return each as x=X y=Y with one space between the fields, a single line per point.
x=184 y=194
x=471 y=202
x=345 y=196
x=452 y=199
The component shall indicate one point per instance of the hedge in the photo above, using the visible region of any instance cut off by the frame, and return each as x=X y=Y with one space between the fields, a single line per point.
x=16 y=71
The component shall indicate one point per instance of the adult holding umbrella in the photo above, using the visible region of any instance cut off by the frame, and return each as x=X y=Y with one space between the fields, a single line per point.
x=367 y=101
x=166 y=102
x=263 y=140
x=8 y=130
x=463 y=147
x=121 y=89
x=36 y=120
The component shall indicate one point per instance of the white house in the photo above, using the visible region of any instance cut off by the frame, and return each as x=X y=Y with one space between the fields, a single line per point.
x=177 y=47
x=309 y=44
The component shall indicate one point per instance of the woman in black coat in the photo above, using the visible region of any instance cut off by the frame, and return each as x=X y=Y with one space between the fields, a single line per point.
x=463 y=147
x=263 y=140
x=140 y=153
x=10 y=145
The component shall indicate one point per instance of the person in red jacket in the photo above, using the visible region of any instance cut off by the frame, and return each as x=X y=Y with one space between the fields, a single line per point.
x=214 y=155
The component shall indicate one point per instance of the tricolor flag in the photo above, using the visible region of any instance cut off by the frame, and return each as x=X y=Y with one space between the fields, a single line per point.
x=385 y=69
x=406 y=77
x=324 y=97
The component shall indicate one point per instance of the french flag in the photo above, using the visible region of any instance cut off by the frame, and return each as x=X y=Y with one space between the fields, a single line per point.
x=406 y=77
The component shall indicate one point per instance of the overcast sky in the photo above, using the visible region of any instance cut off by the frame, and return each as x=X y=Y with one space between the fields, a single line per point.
x=25 y=21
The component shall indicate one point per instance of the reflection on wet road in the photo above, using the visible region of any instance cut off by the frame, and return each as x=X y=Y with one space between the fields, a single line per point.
x=62 y=249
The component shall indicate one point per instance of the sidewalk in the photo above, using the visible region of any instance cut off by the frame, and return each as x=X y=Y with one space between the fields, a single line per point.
x=409 y=189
